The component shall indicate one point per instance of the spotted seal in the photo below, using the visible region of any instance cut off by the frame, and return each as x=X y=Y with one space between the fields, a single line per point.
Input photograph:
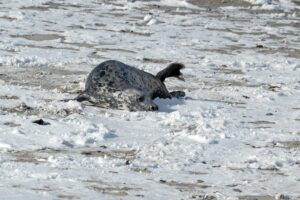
x=113 y=84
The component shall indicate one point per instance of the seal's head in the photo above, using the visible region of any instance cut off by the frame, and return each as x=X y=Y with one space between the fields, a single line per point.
x=136 y=100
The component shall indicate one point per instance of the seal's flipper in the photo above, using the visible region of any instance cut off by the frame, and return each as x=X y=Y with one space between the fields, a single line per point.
x=173 y=70
x=177 y=94
x=82 y=97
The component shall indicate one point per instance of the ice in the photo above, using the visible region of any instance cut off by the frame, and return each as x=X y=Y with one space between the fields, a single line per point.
x=235 y=135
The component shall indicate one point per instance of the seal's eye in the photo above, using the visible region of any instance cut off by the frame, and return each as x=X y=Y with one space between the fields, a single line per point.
x=141 y=99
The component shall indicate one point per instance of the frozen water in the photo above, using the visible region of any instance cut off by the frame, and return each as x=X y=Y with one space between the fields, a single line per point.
x=236 y=134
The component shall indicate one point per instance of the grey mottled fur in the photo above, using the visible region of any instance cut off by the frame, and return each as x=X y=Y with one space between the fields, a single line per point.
x=113 y=84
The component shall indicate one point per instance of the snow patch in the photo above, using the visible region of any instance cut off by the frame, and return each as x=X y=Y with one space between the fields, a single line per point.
x=286 y=5
x=20 y=61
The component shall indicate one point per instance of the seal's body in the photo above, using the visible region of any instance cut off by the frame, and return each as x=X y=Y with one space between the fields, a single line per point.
x=113 y=84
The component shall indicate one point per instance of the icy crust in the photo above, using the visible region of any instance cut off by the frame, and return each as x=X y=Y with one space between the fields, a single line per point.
x=234 y=136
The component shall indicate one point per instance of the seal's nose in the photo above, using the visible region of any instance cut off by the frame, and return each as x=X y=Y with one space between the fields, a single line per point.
x=153 y=108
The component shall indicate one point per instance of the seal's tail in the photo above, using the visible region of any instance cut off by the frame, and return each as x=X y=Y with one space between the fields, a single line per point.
x=173 y=70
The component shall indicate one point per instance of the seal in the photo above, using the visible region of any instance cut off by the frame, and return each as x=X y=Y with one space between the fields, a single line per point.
x=115 y=85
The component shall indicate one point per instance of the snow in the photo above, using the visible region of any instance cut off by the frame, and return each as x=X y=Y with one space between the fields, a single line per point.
x=234 y=136
x=286 y=5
